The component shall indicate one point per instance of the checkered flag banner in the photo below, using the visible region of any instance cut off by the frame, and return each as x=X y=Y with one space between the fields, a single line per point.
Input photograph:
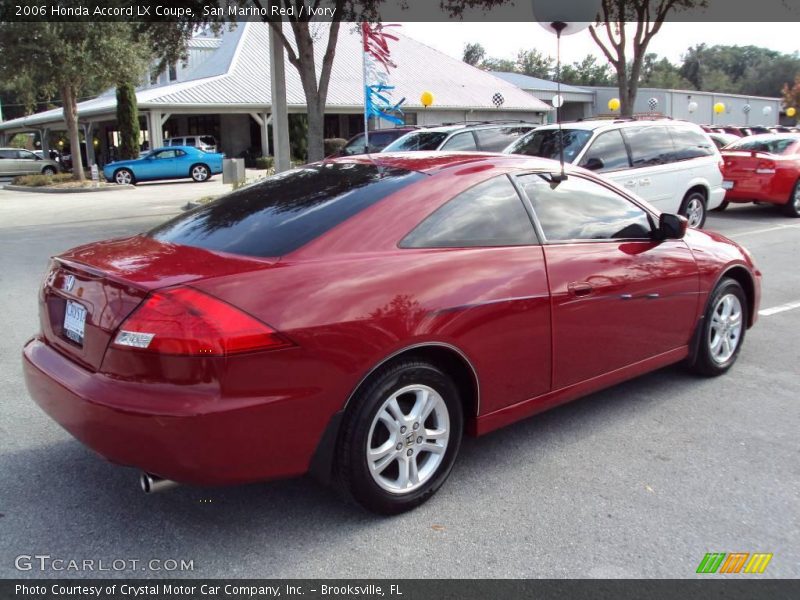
x=498 y=99
x=652 y=103
x=746 y=109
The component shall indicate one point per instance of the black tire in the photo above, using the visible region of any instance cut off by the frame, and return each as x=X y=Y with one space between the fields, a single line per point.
x=705 y=363
x=351 y=466
x=792 y=207
x=49 y=170
x=124 y=177
x=722 y=206
x=694 y=208
x=200 y=173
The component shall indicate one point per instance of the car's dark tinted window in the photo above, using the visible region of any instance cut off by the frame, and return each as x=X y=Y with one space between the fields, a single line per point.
x=461 y=141
x=284 y=212
x=378 y=140
x=609 y=148
x=8 y=154
x=419 y=140
x=650 y=146
x=489 y=214
x=690 y=144
x=545 y=143
x=775 y=145
x=579 y=209
x=495 y=139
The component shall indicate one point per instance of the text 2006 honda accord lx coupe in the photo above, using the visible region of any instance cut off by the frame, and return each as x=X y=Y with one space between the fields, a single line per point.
x=354 y=318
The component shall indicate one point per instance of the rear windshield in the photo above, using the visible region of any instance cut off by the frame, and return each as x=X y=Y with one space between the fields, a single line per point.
x=208 y=140
x=286 y=211
x=417 y=141
x=777 y=145
x=545 y=143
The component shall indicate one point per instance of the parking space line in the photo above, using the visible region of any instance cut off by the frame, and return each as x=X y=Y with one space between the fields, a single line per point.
x=779 y=309
x=765 y=230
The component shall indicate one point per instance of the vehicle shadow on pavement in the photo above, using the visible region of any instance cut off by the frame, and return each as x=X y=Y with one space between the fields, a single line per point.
x=62 y=498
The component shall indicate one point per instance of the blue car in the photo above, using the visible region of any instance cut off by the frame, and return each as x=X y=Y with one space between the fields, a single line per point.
x=166 y=163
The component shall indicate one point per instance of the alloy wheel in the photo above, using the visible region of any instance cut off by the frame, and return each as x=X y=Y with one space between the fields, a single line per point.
x=199 y=173
x=695 y=211
x=725 y=331
x=408 y=439
x=123 y=177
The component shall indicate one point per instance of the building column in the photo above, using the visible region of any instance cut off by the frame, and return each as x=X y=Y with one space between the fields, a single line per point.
x=156 y=129
x=280 y=113
x=88 y=128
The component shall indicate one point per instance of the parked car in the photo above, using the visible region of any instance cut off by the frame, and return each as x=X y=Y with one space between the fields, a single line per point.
x=355 y=317
x=764 y=168
x=206 y=143
x=166 y=163
x=722 y=139
x=17 y=161
x=53 y=155
x=483 y=137
x=378 y=140
x=674 y=165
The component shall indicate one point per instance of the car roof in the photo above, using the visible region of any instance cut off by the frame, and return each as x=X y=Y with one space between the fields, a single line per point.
x=448 y=127
x=173 y=148
x=437 y=161
x=595 y=124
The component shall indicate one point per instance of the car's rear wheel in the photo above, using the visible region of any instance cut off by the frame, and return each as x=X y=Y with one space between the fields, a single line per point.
x=200 y=173
x=792 y=208
x=693 y=208
x=723 y=329
x=400 y=437
x=49 y=170
x=124 y=177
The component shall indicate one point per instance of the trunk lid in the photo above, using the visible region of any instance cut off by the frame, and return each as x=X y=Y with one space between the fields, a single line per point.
x=90 y=290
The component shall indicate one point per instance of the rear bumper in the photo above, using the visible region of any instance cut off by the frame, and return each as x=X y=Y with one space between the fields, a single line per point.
x=194 y=437
x=715 y=197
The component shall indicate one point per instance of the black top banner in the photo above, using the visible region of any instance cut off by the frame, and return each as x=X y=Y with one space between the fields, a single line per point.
x=399 y=589
x=202 y=11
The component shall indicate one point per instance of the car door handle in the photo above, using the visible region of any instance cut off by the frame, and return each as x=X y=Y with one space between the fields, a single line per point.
x=630 y=183
x=653 y=296
x=645 y=181
x=580 y=288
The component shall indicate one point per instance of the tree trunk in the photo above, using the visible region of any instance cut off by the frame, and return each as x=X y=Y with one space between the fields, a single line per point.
x=71 y=117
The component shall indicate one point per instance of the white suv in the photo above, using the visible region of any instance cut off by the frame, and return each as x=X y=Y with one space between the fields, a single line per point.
x=673 y=165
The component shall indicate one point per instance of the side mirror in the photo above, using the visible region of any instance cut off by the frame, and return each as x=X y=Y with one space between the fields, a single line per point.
x=594 y=164
x=672 y=227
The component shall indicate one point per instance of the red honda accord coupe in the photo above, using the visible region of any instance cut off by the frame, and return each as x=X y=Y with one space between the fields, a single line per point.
x=764 y=168
x=353 y=318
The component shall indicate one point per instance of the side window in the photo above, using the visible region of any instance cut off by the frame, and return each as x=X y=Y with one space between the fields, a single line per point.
x=690 y=144
x=607 y=153
x=27 y=155
x=179 y=153
x=650 y=146
x=8 y=154
x=166 y=154
x=580 y=209
x=461 y=141
x=489 y=214
x=495 y=139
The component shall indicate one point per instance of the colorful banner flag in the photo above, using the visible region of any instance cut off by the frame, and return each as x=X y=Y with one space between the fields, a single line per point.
x=378 y=100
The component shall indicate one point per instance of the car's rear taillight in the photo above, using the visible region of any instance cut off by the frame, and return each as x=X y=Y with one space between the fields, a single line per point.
x=765 y=167
x=188 y=322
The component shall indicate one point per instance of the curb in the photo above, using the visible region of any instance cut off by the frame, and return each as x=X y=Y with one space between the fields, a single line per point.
x=53 y=190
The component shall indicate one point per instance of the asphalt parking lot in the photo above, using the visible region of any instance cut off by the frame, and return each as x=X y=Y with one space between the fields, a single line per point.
x=640 y=480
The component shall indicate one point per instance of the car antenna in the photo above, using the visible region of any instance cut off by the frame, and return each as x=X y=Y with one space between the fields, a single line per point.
x=558 y=101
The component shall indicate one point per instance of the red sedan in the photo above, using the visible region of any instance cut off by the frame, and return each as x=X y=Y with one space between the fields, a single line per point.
x=353 y=318
x=764 y=168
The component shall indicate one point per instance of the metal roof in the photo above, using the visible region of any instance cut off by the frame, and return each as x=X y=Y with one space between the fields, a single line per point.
x=526 y=82
x=236 y=76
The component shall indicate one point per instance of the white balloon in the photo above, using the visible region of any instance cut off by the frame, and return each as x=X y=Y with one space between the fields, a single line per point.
x=692 y=106
x=558 y=101
x=551 y=12
x=767 y=110
x=567 y=28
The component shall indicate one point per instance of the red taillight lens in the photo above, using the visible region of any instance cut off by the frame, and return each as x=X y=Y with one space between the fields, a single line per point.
x=186 y=321
x=765 y=167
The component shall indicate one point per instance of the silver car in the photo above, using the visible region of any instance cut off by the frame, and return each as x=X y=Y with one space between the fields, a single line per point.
x=16 y=161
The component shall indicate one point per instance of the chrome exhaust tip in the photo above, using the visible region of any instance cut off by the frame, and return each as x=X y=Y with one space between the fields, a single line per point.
x=152 y=484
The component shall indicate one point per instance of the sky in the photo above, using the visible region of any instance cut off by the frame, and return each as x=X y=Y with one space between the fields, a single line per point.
x=504 y=40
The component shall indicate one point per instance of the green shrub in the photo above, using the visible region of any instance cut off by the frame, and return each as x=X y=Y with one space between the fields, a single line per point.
x=40 y=180
x=333 y=145
x=264 y=162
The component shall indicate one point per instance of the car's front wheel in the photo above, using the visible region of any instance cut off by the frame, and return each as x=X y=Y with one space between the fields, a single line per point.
x=49 y=170
x=693 y=208
x=200 y=173
x=400 y=437
x=792 y=208
x=124 y=177
x=723 y=328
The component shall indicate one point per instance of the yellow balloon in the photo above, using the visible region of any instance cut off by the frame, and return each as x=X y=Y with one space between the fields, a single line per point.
x=719 y=107
x=426 y=99
x=613 y=104
x=791 y=111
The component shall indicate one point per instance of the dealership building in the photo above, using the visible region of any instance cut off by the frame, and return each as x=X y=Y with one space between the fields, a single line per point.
x=224 y=90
